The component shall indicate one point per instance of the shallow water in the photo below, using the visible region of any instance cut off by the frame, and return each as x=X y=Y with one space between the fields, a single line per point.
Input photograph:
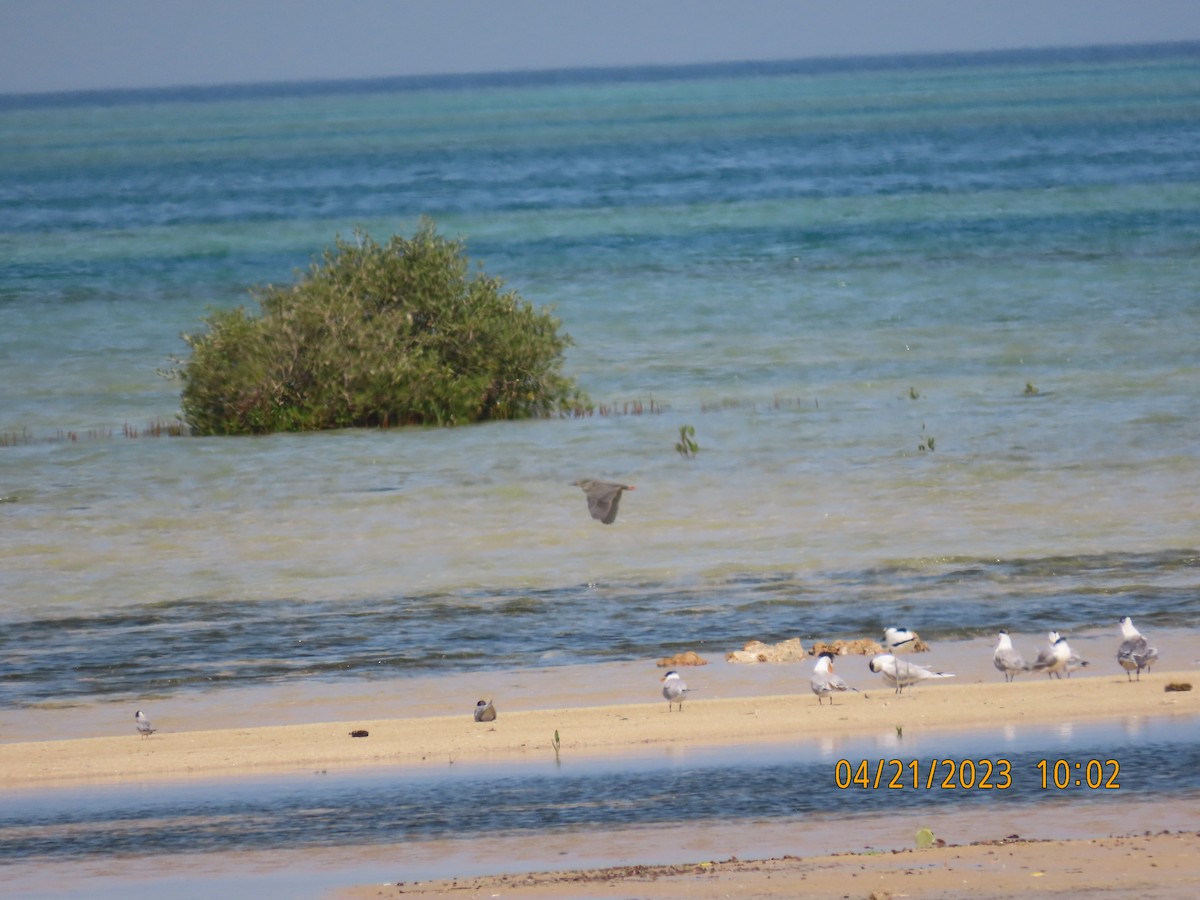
x=933 y=321
x=821 y=269
x=162 y=649
x=408 y=813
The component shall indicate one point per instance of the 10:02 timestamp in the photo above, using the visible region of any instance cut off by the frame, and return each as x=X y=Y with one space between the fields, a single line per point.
x=1093 y=773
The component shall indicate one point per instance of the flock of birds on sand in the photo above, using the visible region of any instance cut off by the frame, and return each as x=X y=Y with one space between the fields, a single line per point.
x=1134 y=654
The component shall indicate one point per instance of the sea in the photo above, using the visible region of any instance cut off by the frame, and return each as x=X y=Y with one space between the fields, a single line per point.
x=933 y=322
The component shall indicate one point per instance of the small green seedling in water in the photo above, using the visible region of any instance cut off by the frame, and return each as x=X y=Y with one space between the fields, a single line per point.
x=556 y=745
x=927 y=441
x=686 y=446
x=1030 y=390
x=900 y=731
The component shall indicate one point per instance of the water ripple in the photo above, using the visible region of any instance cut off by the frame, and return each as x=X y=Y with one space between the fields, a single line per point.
x=190 y=644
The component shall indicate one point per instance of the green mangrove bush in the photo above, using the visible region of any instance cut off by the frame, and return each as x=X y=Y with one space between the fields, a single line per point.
x=378 y=335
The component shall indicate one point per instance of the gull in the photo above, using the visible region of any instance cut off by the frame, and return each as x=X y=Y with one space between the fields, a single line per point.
x=824 y=682
x=1054 y=659
x=603 y=498
x=1008 y=660
x=674 y=689
x=901 y=674
x=1134 y=652
x=143 y=724
x=900 y=640
x=485 y=711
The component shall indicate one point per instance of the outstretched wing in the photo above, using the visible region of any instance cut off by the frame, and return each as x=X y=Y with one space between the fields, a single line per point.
x=603 y=499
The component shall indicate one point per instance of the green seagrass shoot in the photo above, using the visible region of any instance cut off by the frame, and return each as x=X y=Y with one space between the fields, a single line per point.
x=378 y=335
x=686 y=446
x=927 y=442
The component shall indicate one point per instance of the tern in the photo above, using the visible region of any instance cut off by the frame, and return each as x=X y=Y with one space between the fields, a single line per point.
x=901 y=674
x=824 y=683
x=900 y=640
x=145 y=729
x=674 y=690
x=1053 y=660
x=485 y=711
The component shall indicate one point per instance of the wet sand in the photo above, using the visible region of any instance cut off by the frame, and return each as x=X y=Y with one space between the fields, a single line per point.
x=1153 y=867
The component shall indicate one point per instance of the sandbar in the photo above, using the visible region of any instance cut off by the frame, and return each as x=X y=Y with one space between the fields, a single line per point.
x=588 y=730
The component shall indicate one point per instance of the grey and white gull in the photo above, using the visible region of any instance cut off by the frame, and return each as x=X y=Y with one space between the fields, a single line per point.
x=1135 y=652
x=1007 y=659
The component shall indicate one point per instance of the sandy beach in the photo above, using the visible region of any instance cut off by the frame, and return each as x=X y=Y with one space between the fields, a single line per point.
x=1164 y=863
x=601 y=729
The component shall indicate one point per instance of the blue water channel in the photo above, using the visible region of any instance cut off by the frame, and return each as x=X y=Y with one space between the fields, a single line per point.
x=1154 y=758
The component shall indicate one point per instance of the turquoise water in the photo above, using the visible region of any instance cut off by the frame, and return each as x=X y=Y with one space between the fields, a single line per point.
x=823 y=268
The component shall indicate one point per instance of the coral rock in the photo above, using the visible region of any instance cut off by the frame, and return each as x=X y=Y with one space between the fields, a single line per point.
x=687 y=658
x=790 y=650
x=860 y=647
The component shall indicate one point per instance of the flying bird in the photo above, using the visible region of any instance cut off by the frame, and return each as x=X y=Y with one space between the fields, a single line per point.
x=1135 y=652
x=900 y=640
x=901 y=674
x=824 y=683
x=1008 y=660
x=1053 y=660
x=675 y=689
x=485 y=711
x=145 y=729
x=603 y=498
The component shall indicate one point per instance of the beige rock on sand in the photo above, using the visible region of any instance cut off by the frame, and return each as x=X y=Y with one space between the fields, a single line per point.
x=792 y=650
x=860 y=647
x=757 y=652
x=687 y=658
